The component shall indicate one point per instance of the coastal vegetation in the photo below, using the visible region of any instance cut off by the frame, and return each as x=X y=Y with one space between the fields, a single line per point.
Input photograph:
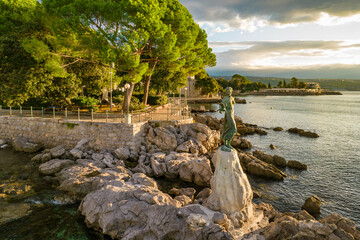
x=56 y=51
x=330 y=84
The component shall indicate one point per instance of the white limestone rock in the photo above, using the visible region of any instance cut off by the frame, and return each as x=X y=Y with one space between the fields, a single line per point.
x=164 y=139
x=53 y=166
x=22 y=145
x=77 y=153
x=57 y=152
x=231 y=190
x=122 y=153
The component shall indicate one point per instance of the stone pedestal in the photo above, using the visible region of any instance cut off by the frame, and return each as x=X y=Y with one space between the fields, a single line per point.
x=231 y=190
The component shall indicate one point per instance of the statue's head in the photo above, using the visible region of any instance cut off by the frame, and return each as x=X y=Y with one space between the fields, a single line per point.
x=229 y=91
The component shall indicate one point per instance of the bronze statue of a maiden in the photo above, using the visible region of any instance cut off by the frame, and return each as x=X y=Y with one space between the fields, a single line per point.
x=229 y=129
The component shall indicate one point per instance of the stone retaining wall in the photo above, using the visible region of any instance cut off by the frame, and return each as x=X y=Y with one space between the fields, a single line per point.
x=53 y=132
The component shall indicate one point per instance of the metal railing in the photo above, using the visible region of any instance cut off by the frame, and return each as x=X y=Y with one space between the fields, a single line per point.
x=167 y=113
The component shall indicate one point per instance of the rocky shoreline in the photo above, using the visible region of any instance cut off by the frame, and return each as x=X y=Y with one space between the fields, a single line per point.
x=119 y=189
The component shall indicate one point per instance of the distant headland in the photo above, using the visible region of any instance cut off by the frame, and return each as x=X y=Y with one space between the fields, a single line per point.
x=329 y=84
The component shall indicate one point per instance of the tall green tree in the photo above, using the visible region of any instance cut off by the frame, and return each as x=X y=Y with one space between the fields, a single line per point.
x=183 y=51
x=115 y=31
x=294 y=82
x=32 y=66
x=238 y=82
x=280 y=84
x=208 y=85
x=285 y=84
x=223 y=83
x=302 y=85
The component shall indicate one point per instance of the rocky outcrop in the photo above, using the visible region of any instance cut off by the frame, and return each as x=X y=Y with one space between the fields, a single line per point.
x=302 y=225
x=231 y=190
x=188 y=167
x=312 y=205
x=257 y=167
x=274 y=160
x=272 y=146
x=303 y=133
x=240 y=143
x=127 y=211
x=243 y=129
x=123 y=153
x=297 y=165
x=196 y=138
x=309 y=134
x=189 y=192
x=54 y=166
x=346 y=229
x=278 y=129
x=57 y=152
x=22 y=145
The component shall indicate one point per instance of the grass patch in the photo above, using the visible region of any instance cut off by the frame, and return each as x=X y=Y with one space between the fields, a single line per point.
x=71 y=125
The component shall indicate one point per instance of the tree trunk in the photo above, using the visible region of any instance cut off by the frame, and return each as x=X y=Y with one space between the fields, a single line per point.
x=146 y=89
x=147 y=83
x=127 y=97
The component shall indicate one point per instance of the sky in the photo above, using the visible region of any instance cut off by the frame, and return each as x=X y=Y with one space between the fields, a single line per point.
x=282 y=38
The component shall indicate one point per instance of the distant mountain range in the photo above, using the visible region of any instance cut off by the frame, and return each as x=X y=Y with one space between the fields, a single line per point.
x=330 y=84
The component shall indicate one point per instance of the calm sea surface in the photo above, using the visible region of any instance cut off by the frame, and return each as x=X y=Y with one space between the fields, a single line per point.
x=333 y=159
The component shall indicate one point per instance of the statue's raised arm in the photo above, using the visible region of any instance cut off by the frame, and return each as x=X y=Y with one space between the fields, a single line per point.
x=229 y=130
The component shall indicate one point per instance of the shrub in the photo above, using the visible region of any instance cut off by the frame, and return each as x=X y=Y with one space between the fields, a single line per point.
x=118 y=99
x=136 y=104
x=86 y=102
x=157 y=100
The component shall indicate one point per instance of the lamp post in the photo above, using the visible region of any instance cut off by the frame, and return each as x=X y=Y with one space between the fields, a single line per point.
x=127 y=117
x=111 y=73
x=185 y=96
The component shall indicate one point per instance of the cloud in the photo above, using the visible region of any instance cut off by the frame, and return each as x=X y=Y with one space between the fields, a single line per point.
x=252 y=14
x=285 y=57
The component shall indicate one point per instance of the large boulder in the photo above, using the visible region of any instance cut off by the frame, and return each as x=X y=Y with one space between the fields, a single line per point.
x=53 y=166
x=22 y=145
x=257 y=167
x=303 y=133
x=303 y=226
x=157 y=162
x=231 y=190
x=274 y=160
x=86 y=176
x=57 y=152
x=312 y=205
x=240 y=143
x=297 y=165
x=188 y=167
x=163 y=138
x=343 y=224
x=196 y=169
x=309 y=134
x=185 y=147
x=136 y=211
x=189 y=192
x=211 y=122
x=123 y=153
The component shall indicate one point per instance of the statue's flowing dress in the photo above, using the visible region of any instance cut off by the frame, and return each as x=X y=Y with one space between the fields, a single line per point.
x=229 y=129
